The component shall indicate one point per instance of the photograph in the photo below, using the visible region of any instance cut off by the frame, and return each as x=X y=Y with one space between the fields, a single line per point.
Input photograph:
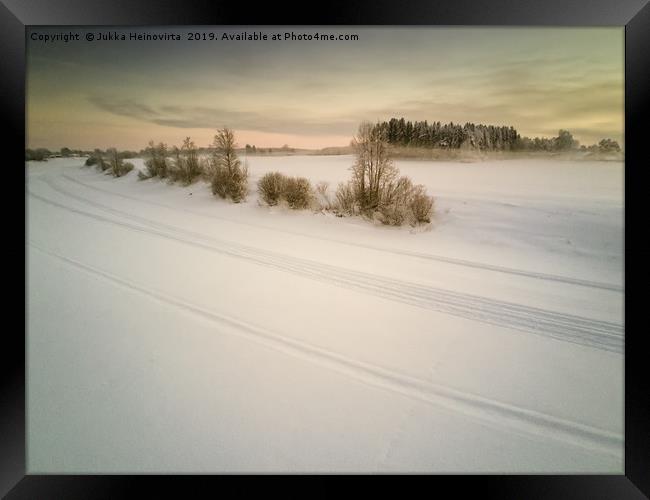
x=325 y=249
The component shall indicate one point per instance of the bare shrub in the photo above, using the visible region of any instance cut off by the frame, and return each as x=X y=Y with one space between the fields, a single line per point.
x=174 y=173
x=219 y=183
x=271 y=187
x=275 y=187
x=185 y=166
x=229 y=179
x=117 y=165
x=421 y=205
x=191 y=165
x=394 y=209
x=346 y=198
x=156 y=164
x=238 y=184
x=297 y=192
x=124 y=169
x=233 y=185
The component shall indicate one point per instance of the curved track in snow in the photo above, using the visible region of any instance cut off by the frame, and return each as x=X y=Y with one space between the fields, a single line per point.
x=420 y=255
x=559 y=326
x=485 y=409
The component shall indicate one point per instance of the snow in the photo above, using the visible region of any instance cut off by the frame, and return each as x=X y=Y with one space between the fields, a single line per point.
x=170 y=331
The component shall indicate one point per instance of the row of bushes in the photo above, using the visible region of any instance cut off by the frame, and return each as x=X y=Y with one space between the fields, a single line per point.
x=408 y=203
x=113 y=164
x=401 y=202
x=375 y=190
x=276 y=187
x=184 y=166
x=222 y=169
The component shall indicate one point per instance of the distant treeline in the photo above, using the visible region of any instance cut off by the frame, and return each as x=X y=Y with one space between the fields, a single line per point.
x=400 y=132
x=255 y=150
x=42 y=154
x=248 y=149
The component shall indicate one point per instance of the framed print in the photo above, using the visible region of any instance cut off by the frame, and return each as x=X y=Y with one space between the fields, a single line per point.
x=384 y=240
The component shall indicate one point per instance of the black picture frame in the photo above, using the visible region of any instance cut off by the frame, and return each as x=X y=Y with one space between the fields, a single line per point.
x=16 y=15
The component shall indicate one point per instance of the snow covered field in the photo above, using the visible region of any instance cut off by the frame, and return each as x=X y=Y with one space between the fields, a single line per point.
x=170 y=331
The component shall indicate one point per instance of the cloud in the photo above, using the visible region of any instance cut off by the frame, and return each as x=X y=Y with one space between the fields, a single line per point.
x=125 y=107
x=191 y=117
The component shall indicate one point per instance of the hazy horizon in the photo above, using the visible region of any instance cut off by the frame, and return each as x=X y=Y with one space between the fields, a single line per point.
x=313 y=94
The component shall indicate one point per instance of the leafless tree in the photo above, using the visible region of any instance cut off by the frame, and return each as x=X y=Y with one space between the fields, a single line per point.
x=229 y=176
x=373 y=169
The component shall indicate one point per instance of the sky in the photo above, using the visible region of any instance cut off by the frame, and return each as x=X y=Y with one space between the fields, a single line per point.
x=313 y=93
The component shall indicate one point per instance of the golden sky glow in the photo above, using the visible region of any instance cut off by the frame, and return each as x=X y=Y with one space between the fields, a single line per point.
x=314 y=93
